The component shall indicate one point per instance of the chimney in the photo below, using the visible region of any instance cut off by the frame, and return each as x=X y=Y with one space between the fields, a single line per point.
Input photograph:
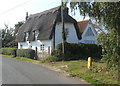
x=66 y=10
x=26 y=16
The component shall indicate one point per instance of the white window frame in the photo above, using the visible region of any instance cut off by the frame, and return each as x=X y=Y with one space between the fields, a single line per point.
x=42 y=47
x=89 y=41
x=36 y=35
x=26 y=36
x=89 y=32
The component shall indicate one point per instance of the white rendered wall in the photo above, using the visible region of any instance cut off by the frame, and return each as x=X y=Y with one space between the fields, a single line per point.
x=71 y=37
x=24 y=45
x=34 y=44
x=89 y=38
x=47 y=43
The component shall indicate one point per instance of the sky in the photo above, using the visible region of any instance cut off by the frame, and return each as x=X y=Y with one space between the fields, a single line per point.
x=13 y=11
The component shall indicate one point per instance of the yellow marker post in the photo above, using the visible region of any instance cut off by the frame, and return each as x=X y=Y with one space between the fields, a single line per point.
x=89 y=63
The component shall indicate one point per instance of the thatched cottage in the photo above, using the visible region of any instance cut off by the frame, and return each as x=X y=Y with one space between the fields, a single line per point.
x=43 y=31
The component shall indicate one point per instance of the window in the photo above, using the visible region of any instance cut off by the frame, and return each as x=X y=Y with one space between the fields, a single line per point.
x=36 y=34
x=89 y=32
x=21 y=46
x=89 y=42
x=26 y=36
x=42 y=47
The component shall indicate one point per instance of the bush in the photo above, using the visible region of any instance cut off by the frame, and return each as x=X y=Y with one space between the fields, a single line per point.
x=28 y=53
x=50 y=59
x=76 y=51
x=9 y=51
x=0 y=51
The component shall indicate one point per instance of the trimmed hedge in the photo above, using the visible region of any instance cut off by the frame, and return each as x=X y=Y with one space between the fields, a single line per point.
x=76 y=51
x=28 y=53
x=8 y=51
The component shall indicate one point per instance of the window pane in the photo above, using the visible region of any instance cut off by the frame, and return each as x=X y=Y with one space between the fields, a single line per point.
x=89 y=32
x=36 y=34
x=42 y=47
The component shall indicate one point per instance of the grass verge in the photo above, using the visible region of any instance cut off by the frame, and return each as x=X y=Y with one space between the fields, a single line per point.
x=22 y=58
x=99 y=75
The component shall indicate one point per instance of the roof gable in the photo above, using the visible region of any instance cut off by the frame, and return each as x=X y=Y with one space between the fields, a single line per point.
x=89 y=32
x=82 y=25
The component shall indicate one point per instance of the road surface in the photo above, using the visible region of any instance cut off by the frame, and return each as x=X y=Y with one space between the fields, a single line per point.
x=20 y=72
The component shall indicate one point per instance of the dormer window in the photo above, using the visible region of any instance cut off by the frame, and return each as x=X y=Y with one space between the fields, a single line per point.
x=26 y=36
x=36 y=34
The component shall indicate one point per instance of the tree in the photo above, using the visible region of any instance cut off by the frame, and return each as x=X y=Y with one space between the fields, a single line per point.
x=108 y=14
x=109 y=48
x=7 y=35
x=17 y=26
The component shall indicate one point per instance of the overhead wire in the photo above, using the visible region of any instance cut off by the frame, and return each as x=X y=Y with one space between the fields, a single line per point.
x=15 y=7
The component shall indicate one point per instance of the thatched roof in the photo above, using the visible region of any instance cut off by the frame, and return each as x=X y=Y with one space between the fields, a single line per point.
x=44 y=23
x=12 y=44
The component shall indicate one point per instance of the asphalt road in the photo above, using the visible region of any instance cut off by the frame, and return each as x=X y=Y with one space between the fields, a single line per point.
x=20 y=72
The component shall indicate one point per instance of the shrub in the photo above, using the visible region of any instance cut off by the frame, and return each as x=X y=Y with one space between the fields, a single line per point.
x=9 y=51
x=49 y=59
x=0 y=51
x=28 y=53
x=76 y=51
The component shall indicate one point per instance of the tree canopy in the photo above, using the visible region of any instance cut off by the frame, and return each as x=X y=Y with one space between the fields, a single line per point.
x=107 y=13
x=17 y=25
x=8 y=34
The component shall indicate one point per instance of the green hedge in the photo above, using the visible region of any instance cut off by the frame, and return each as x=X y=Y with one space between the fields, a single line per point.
x=8 y=51
x=28 y=53
x=76 y=51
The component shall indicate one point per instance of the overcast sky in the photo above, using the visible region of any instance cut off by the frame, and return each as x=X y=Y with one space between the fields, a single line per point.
x=13 y=11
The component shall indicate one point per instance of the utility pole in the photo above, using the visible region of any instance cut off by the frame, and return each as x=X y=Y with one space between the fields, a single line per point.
x=63 y=31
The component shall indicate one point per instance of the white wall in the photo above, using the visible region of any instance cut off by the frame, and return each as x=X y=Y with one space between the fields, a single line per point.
x=34 y=44
x=71 y=37
x=90 y=39
x=24 y=45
